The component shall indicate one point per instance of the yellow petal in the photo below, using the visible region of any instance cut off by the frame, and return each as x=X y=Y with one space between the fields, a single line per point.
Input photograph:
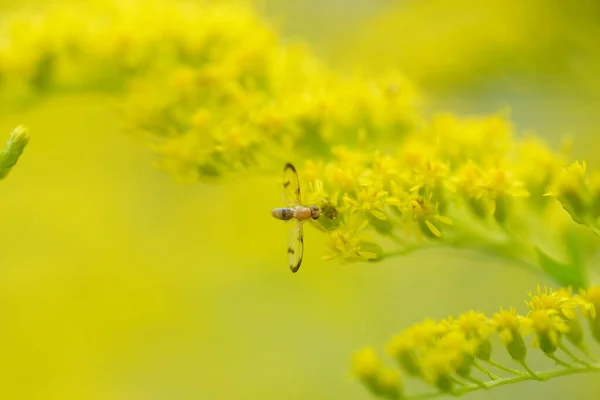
x=433 y=229
x=444 y=220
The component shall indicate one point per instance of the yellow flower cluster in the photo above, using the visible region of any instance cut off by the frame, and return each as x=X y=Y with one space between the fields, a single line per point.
x=217 y=92
x=102 y=44
x=254 y=104
x=446 y=354
x=210 y=84
x=464 y=182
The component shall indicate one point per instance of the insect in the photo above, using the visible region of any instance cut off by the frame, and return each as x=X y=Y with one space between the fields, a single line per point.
x=291 y=194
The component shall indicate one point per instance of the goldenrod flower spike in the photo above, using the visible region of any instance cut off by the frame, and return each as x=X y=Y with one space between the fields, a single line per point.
x=216 y=102
x=456 y=355
x=13 y=149
x=460 y=182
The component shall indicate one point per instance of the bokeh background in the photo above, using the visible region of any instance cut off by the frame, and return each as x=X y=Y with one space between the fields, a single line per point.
x=117 y=282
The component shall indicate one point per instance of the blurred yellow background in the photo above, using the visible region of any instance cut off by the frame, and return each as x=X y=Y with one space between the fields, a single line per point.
x=119 y=283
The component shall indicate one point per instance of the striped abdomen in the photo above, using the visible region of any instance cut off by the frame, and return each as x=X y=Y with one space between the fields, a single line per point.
x=284 y=214
x=299 y=212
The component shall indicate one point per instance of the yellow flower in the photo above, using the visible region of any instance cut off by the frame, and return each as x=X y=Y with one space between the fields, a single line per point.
x=433 y=173
x=350 y=245
x=464 y=349
x=559 y=300
x=540 y=166
x=477 y=327
x=439 y=367
x=390 y=384
x=563 y=302
x=421 y=216
x=366 y=364
x=590 y=304
x=508 y=326
x=590 y=301
x=381 y=381
x=404 y=350
x=579 y=193
x=369 y=198
x=488 y=191
x=548 y=326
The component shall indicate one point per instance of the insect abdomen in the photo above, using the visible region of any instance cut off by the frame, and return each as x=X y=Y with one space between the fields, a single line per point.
x=302 y=213
x=284 y=214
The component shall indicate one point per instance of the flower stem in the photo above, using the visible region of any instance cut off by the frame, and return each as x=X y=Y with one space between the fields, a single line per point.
x=559 y=361
x=515 y=379
x=573 y=356
x=485 y=371
x=530 y=371
x=504 y=368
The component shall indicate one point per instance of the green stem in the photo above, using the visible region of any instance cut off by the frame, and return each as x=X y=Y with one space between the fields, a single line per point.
x=585 y=350
x=573 y=356
x=559 y=361
x=530 y=371
x=508 y=249
x=477 y=382
x=507 y=381
x=485 y=371
x=459 y=382
x=504 y=368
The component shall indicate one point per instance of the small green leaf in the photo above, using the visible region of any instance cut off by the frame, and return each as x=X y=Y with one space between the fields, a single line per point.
x=13 y=149
x=565 y=274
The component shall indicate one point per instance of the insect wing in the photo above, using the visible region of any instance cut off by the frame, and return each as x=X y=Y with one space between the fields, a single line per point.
x=295 y=247
x=291 y=185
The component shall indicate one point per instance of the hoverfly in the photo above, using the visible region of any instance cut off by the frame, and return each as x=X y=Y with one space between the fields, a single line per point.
x=291 y=194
